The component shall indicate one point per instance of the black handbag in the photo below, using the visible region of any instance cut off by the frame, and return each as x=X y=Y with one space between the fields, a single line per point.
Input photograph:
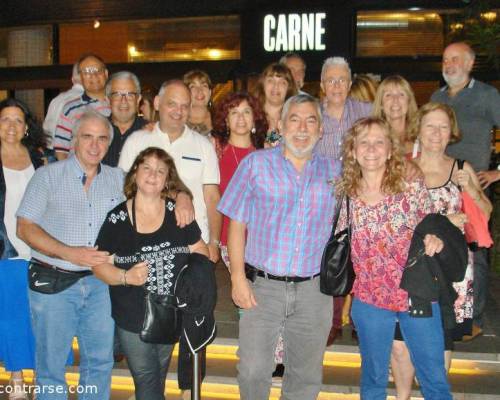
x=337 y=273
x=162 y=319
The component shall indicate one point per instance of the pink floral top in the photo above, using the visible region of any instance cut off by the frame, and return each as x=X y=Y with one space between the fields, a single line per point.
x=381 y=236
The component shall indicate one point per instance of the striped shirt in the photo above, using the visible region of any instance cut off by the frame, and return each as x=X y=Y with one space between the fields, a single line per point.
x=330 y=144
x=71 y=112
x=287 y=214
x=56 y=201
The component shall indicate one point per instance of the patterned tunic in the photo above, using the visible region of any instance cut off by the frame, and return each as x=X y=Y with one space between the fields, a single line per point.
x=381 y=236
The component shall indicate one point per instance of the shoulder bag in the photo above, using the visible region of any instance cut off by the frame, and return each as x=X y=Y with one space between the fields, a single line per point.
x=337 y=273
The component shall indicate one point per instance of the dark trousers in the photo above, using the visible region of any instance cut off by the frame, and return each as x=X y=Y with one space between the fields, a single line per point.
x=148 y=364
x=480 y=285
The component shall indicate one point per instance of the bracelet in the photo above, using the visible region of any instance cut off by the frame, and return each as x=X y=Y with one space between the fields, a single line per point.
x=216 y=242
x=124 y=278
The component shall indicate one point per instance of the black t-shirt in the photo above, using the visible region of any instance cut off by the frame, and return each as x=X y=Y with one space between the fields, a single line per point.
x=166 y=250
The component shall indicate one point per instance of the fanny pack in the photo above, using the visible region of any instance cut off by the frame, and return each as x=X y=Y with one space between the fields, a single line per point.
x=49 y=279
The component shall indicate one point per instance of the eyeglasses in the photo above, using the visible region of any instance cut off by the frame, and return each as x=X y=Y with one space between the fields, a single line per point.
x=118 y=96
x=89 y=71
x=340 y=82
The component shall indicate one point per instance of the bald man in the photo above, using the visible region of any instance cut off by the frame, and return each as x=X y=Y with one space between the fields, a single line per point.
x=477 y=106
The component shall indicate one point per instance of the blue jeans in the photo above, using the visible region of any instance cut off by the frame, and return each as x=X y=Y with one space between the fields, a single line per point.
x=425 y=341
x=304 y=315
x=148 y=364
x=82 y=310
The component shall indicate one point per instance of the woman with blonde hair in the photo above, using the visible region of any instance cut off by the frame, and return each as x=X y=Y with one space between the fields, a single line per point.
x=363 y=88
x=395 y=102
x=384 y=211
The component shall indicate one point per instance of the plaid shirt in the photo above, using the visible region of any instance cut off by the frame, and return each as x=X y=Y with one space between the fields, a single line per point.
x=288 y=214
x=56 y=201
x=330 y=144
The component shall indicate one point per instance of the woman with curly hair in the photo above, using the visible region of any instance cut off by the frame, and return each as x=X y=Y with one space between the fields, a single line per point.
x=22 y=150
x=384 y=211
x=240 y=127
x=274 y=87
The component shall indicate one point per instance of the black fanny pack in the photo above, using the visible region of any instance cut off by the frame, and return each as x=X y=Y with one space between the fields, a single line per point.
x=48 y=279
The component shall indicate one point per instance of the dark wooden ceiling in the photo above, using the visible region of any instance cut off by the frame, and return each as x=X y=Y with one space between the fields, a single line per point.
x=28 y=12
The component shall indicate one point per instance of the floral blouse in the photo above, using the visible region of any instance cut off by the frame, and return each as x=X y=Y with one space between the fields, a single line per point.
x=381 y=236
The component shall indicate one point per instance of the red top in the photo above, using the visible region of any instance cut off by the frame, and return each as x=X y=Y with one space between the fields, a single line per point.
x=228 y=163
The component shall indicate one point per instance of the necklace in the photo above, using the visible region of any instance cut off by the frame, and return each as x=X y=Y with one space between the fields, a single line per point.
x=234 y=155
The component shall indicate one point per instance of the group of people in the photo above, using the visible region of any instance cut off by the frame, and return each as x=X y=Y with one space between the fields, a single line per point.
x=254 y=180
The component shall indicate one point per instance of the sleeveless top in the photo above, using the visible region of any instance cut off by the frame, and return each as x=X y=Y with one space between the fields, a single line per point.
x=447 y=200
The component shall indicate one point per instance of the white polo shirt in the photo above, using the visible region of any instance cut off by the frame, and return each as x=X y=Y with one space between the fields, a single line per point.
x=195 y=160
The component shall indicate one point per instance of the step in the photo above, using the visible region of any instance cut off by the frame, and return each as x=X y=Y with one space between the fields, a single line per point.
x=472 y=376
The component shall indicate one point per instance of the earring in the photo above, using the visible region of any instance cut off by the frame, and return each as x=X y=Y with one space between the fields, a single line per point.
x=26 y=132
x=253 y=130
x=166 y=186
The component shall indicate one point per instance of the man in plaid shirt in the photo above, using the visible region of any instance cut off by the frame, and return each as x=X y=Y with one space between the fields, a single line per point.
x=280 y=202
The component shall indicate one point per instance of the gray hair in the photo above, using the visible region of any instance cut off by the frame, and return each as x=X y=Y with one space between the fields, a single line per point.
x=123 y=75
x=335 y=61
x=91 y=115
x=300 y=99
x=171 y=82
x=291 y=55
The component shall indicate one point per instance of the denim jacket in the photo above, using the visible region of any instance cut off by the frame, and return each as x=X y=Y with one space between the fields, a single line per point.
x=7 y=250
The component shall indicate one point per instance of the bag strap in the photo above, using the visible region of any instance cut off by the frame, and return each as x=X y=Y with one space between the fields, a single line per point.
x=136 y=241
x=460 y=164
x=337 y=215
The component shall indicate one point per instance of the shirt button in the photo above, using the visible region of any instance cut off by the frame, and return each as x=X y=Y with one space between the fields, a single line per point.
x=90 y=224
x=301 y=199
x=296 y=249
x=90 y=243
x=299 y=224
x=298 y=176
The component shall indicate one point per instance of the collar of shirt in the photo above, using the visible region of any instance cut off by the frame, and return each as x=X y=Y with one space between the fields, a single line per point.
x=77 y=169
x=470 y=85
x=185 y=133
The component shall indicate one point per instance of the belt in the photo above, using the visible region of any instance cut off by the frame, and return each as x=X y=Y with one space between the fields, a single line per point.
x=294 y=279
x=62 y=270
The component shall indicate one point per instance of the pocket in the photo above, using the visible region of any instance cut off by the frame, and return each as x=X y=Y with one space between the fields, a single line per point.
x=191 y=167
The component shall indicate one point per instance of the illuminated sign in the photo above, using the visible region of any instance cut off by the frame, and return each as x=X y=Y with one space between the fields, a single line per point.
x=294 y=32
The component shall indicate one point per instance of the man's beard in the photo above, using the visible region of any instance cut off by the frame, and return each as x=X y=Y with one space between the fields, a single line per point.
x=299 y=153
x=454 y=80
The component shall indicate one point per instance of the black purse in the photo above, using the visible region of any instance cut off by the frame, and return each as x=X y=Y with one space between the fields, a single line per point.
x=162 y=324
x=337 y=273
x=162 y=319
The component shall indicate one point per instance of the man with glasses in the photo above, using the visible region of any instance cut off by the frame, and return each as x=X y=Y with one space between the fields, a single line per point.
x=93 y=74
x=124 y=93
x=339 y=112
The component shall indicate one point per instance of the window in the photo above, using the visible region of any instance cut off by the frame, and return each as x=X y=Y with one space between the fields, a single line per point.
x=174 y=39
